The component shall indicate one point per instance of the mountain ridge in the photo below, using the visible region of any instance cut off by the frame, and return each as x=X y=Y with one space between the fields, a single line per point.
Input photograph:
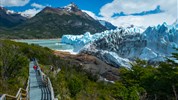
x=55 y=22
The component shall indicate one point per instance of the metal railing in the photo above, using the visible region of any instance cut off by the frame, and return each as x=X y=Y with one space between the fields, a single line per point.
x=22 y=94
x=46 y=80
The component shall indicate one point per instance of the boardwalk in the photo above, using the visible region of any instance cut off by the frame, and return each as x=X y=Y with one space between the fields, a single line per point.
x=39 y=87
x=38 y=90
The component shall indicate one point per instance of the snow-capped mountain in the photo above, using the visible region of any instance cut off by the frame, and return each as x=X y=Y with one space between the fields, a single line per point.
x=71 y=7
x=10 y=18
x=54 y=22
x=119 y=47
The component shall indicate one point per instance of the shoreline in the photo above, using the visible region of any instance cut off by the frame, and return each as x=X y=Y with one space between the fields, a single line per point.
x=37 y=39
x=67 y=51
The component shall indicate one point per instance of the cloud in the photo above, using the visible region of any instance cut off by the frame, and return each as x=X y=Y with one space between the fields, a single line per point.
x=30 y=12
x=10 y=3
x=131 y=7
x=38 y=6
x=134 y=6
x=147 y=20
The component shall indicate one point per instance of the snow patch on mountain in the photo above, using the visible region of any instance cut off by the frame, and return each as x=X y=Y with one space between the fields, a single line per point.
x=10 y=12
x=71 y=7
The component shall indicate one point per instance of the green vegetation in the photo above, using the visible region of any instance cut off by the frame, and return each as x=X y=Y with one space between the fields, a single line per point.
x=142 y=81
x=13 y=68
x=14 y=61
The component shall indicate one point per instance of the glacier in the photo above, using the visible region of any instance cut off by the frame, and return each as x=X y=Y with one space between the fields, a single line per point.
x=79 y=41
x=123 y=45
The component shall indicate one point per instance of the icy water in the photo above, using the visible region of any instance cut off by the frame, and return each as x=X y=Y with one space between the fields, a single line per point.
x=53 y=44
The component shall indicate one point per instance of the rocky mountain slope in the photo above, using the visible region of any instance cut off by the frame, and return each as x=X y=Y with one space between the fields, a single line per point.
x=91 y=64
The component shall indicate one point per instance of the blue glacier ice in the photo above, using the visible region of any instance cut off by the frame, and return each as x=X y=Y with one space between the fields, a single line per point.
x=79 y=41
x=162 y=39
x=121 y=46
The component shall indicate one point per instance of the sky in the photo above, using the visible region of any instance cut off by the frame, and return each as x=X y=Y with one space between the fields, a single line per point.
x=118 y=12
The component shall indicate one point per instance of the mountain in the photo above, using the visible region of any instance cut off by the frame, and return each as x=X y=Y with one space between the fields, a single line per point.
x=108 y=25
x=9 y=18
x=55 y=22
x=121 y=46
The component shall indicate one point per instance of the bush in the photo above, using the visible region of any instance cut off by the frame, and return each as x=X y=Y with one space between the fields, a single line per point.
x=75 y=86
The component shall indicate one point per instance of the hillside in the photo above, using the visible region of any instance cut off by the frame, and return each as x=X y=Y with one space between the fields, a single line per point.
x=55 y=22
x=71 y=80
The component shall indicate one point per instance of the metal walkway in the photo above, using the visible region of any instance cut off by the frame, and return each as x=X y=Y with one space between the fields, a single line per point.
x=38 y=89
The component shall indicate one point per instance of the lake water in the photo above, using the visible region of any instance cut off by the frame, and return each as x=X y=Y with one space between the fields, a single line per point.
x=53 y=44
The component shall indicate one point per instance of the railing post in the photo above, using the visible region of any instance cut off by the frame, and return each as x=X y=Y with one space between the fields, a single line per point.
x=27 y=88
x=3 y=97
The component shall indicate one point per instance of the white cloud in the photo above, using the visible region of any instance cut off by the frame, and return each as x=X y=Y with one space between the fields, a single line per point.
x=38 y=6
x=147 y=20
x=136 y=6
x=30 y=12
x=10 y=3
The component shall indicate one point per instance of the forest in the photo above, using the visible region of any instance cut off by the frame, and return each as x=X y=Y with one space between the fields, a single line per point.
x=141 y=82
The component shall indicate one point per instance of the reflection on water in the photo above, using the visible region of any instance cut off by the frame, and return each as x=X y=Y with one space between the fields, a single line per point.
x=51 y=43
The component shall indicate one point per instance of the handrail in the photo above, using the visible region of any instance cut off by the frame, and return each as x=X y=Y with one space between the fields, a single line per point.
x=17 y=97
x=27 y=88
x=51 y=89
x=42 y=75
x=4 y=96
x=25 y=92
x=19 y=94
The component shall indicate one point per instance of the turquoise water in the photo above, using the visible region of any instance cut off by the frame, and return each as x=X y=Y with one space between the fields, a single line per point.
x=51 y=43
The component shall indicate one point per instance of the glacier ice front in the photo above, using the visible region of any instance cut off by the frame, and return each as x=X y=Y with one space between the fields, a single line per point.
x=120 y=46
x=79 y=41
